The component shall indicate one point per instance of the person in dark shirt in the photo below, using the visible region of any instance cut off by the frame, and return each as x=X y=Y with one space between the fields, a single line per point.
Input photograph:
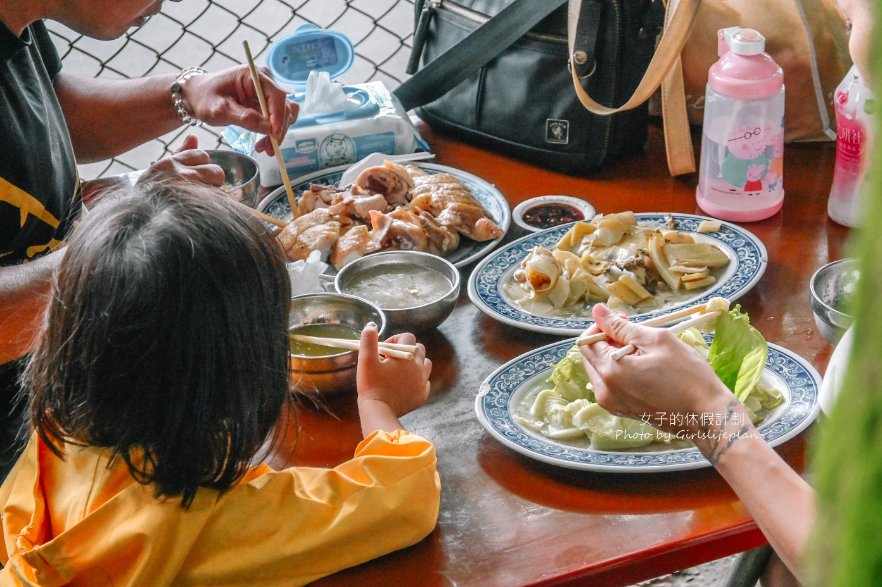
x=50 y=120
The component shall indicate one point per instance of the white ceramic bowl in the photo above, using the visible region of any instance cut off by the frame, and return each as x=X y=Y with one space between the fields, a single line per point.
x=544 y=212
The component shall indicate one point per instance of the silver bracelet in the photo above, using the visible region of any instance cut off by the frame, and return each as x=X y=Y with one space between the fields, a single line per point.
x=178 y=100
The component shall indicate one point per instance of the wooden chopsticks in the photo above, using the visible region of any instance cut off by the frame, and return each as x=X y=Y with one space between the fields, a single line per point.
x=695 y=321
x=292 y=200
x=390 y=349
x=704 y=316
x=259 y=214
x=657 y=321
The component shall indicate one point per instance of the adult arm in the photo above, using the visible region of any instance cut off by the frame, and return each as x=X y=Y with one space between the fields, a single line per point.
x=109 y=117
x=780 y=501
x=23 y=292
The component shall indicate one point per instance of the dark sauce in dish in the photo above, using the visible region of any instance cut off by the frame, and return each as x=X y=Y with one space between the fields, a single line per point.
x=551 y=214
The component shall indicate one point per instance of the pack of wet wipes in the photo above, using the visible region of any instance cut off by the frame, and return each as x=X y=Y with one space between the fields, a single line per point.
x=338 y=124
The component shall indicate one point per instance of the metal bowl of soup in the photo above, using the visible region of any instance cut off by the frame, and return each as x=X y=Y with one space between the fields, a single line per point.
x=416 y=291
x=241 y=174
x=317 y=368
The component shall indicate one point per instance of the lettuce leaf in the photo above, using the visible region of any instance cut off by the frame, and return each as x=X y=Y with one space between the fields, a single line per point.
x=570 y=379
x=738 y=352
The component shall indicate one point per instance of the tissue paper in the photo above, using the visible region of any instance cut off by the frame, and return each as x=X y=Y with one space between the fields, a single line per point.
x=307 y=275
x=324 y=96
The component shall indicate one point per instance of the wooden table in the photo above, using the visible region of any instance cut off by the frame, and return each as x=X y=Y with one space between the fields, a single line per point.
x=508 y=520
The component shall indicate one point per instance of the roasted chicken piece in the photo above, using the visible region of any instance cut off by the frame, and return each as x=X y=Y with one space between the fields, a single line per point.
x=398 y=231
x=359 y=205
x=317 y=196
x=441 y=239
x=453 y=206
x=317 y=230
x=390 y=179
x=469 y=221
x=353 y=244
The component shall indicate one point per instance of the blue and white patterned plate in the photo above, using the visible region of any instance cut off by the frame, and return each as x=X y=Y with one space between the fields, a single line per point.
x=747 y=263
x=468 y=251
x=505 y=388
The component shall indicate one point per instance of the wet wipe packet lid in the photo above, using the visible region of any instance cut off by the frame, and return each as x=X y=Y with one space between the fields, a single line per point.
x=312 y=51
x=309 y=48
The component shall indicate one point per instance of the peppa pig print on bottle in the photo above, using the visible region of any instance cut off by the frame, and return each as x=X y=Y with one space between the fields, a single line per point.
x=742 y=149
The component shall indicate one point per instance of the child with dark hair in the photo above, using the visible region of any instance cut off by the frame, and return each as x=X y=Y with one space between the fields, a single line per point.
x=159 y=376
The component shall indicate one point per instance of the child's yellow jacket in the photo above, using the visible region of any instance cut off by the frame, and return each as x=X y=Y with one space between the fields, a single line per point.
x=76 y=521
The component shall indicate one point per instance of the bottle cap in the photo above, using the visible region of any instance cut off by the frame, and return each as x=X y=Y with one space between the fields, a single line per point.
x=744 y=41
x=744 y=70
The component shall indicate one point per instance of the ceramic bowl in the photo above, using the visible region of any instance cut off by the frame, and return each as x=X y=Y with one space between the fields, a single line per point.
x=544 y=212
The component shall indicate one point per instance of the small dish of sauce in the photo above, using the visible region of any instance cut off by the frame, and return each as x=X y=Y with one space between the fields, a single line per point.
x=544 y=212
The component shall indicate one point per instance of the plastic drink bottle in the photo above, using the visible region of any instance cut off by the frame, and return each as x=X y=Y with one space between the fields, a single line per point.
x=854 y=104
x=741 y=175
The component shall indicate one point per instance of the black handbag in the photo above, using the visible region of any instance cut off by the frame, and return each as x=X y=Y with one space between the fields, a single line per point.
x=496 y=73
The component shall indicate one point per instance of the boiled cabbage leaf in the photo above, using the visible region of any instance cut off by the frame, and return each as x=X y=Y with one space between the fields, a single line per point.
x=570 y=379
x=738 y=352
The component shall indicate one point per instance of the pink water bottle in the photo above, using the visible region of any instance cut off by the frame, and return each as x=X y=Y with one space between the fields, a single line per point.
x=853 y=103
x=741 y=175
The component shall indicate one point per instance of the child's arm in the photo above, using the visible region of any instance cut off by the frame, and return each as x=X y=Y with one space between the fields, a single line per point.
x=389 y=388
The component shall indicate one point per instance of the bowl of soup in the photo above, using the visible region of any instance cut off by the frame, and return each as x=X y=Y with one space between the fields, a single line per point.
x=416 y=291
x=325 y=368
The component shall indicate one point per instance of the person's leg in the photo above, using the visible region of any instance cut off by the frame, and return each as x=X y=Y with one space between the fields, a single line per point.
x=776 y=574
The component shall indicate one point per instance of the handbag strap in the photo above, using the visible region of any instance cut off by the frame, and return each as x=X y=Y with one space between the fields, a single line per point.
x=483 y=44
x=665 y=64
x=675 y=118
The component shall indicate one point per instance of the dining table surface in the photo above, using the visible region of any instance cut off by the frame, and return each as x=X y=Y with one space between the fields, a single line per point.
x=507 y=519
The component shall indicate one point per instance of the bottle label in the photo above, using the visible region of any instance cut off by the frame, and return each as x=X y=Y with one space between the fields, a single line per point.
x=749 y=166
x=851 y=135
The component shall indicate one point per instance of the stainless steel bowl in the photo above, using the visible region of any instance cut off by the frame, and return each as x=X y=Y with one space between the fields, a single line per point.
x=330 y=373
x=832 y=288
x=408 y=319
x=241 y=174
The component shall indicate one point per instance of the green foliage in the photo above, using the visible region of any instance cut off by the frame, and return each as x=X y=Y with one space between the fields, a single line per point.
x=847 y=545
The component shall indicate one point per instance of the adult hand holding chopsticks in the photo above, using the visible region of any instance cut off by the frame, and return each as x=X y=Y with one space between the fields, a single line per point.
x=664 y=379
x=389 y=388
x=230 y=97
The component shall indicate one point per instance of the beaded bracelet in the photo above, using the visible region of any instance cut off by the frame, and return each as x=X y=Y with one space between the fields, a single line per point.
x=178 y=100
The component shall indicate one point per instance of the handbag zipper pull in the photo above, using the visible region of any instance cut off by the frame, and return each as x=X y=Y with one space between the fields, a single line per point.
x=419 y=35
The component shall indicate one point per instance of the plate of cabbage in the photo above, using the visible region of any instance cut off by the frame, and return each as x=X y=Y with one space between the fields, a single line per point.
x=644 y=265
x=541 y=404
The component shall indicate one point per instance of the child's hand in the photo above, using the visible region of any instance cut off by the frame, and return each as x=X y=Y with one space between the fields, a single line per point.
x=389 y=388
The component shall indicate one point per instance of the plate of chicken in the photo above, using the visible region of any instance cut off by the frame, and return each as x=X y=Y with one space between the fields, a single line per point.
x=423 y=207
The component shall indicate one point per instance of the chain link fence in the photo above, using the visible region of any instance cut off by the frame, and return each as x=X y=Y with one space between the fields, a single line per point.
x=209 y=33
